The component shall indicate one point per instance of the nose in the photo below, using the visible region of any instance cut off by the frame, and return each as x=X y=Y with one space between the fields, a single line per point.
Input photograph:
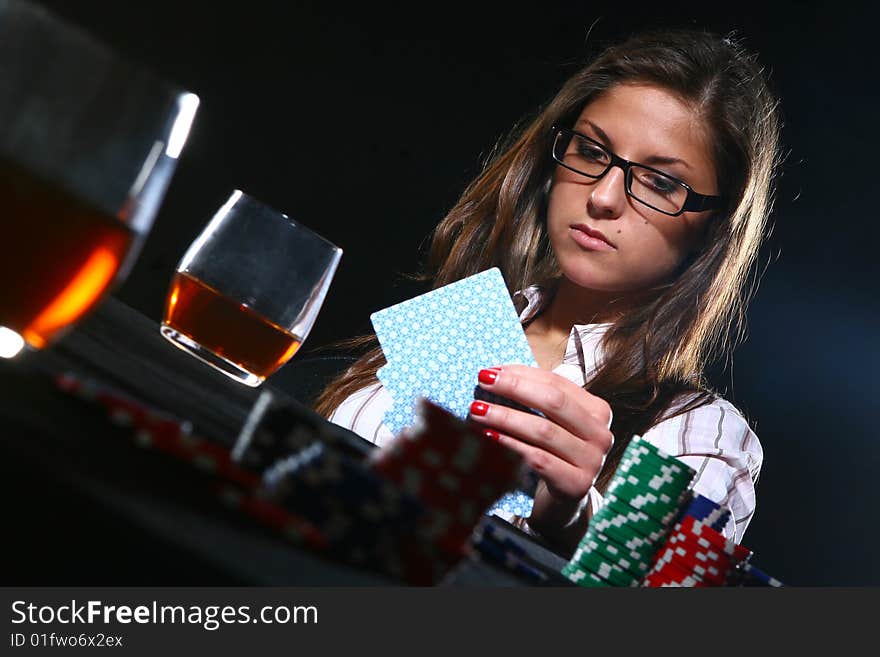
x=607 y=199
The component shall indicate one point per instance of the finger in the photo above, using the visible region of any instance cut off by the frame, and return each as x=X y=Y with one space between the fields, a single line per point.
x=558 y=398
x=539 y=432
x=561 y=478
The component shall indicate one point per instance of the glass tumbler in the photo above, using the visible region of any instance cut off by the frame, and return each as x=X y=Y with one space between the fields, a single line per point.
x=88 y=146
x=248 y=290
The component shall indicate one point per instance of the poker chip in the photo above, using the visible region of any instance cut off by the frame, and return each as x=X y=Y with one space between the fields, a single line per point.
x=630 y=561
x=658 y=495
x=750 y=575
x=672 y=575
x=642 y=501
x=452 y=469
x=707 y=565
x=708 y=512
x=635 y=547
x=604 y=568
x=583 y=577
x=696 y=553
x=700 y=530
x=345 y=501
x=662 y=509
x=618 y=514
x=456 y=474
x=653 y=479
x=159 y=431
x=507 y=554
x=641 y=453
x=366 y=520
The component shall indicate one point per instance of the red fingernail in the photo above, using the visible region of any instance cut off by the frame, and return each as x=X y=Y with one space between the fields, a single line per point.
x=491 y=435
x=479 y=408
x=487 y=376
x=497 y=369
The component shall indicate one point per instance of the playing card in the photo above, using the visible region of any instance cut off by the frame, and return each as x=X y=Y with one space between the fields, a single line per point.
x=437 y=342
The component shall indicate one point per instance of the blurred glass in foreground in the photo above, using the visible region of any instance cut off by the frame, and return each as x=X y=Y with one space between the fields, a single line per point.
x=88 y=145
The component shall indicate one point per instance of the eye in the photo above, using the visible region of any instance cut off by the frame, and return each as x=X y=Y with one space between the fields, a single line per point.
x=590 y=151
x=658 y=182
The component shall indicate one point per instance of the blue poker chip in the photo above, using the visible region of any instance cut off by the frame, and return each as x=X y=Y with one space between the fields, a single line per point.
x=344 y=500
x=493 y=533
x=708 y=512
x=500 y=555
x=752 y=576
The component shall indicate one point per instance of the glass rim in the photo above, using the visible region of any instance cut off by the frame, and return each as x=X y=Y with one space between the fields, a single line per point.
x=238 y=194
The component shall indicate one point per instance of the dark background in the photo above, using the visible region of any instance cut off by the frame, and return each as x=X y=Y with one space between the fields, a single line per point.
x=421 y=93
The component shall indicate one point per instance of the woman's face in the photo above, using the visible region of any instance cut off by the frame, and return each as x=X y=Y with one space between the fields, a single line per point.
x=641 y=123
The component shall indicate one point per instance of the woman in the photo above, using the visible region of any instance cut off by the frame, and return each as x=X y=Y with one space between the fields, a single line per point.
x=626 y=219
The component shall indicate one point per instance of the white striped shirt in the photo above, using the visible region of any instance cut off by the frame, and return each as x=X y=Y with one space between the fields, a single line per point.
x=715 y=439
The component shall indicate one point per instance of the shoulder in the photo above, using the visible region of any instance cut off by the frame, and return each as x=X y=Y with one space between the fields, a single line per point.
x=363 y=412
x=716 y=428
x=718 y=443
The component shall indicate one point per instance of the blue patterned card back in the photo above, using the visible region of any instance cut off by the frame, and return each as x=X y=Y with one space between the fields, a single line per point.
x=436 y=343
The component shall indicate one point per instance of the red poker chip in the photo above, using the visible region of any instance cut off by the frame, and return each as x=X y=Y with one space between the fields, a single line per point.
x=453 y=470
x=670 y=573
x=160 y=431
x=690 y=547
x=693 y=556
x=689 y=525
x=707 y=572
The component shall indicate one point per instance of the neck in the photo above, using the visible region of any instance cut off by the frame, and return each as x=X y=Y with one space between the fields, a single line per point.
x=572 y=305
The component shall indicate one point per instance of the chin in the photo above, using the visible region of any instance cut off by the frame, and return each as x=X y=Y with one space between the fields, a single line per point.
x=590 y=279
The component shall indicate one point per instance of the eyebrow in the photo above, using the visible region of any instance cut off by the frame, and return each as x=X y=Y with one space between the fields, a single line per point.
x=653 y=159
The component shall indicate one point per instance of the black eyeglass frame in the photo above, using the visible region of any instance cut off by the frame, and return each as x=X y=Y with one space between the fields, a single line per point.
x=693 y=202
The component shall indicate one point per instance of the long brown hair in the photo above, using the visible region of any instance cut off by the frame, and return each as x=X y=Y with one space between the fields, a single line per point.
x=656 y=353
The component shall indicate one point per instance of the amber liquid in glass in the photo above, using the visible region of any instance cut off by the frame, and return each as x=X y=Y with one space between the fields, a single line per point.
x=226 y=327
x=59 y=256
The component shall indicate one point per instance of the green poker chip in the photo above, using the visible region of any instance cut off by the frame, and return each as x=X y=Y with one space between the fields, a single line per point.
x=637 y=546
x=606 y=569
x=647 y=503
x=620 y=529
x=659 y=496
x=640 y=445
x=583 y=577
x=648 y=480
x=674 y=465
x=647 y=466
x=645 y=496
x=617 y=513
x=629 y=560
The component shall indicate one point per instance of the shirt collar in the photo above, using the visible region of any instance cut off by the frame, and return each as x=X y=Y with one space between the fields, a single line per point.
x=583 y=353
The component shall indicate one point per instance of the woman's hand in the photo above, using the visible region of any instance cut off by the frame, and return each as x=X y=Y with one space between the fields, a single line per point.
x=566 y=449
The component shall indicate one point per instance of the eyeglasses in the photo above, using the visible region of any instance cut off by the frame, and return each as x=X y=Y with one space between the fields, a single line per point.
x=647 y=185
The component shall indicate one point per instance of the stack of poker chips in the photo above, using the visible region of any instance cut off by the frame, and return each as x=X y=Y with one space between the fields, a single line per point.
x=695 y=555
x=362 y=517
x=644 y=498
x=507 y=554
x=232 y=483
x=277 y=427
x=456 y=473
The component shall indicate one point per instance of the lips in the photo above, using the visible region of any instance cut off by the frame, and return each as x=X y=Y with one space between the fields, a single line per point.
x=593 y=233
